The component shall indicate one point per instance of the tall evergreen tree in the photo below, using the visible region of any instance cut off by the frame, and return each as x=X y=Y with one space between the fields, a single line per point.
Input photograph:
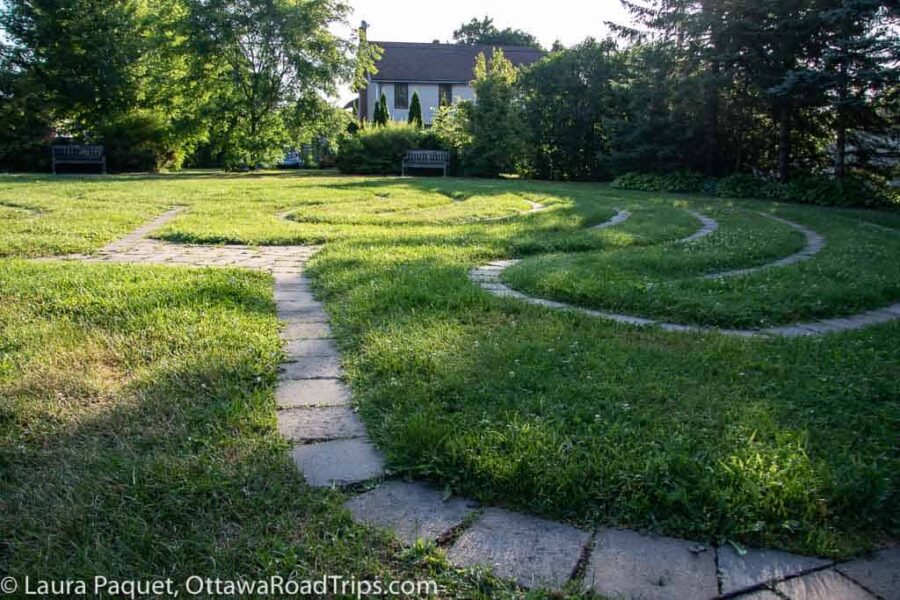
x=415 y=111
x=382 y=113
x=860 y=61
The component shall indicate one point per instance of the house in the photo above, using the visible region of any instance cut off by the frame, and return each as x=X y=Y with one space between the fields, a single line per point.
x=440 y=73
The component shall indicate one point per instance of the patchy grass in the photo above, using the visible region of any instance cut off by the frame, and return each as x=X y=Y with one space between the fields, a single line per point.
x=788 y=443
x=137 y=437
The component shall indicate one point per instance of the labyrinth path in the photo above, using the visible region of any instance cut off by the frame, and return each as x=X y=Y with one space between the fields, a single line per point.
x=488 y=277
x=331 y=449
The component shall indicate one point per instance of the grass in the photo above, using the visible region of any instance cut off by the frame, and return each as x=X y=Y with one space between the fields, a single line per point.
x=856 y=271
x=786 y=443
x=137 y=437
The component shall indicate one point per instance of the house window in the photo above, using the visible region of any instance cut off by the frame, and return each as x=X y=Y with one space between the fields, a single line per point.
x=401 y=96
x=445 y=94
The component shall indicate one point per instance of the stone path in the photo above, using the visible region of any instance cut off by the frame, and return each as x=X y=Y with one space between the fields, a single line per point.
x=621 y=217
x=332 y=449
x=488 y=277
x=814 y=244
x=536 y=207
x=331 y=446
x=709 y=226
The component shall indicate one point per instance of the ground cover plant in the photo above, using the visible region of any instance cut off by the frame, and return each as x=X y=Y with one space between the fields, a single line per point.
x=164 y=437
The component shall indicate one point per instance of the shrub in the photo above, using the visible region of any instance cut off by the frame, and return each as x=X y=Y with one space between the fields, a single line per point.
x=742 y=185
x=139 y=141
x=415 y=111
x=382 y=115
x=857 y=189
x=679 y=181
x=380 y=150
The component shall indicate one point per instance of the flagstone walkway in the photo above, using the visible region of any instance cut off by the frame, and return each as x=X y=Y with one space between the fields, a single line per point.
x=331 y=448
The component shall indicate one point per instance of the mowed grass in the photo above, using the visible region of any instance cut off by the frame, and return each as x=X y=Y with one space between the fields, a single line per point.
x=137 y=437
x=786 y=443
x=856 y=271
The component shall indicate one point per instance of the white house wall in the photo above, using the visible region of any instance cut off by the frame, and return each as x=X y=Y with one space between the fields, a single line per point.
x=428 y=96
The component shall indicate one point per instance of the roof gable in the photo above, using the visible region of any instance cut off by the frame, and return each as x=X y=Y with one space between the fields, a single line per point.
x=405 y=61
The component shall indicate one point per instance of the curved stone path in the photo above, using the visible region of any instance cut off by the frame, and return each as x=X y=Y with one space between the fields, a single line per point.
x=709 y=226
x=814 y=244
x=488 y=277
x=621 y=217
x=331 y=448
x=536 y=207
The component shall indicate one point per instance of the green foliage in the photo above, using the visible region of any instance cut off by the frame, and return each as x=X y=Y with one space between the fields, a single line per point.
x=139 y=141
x=218 y=77
x=267 y=54
x=485 y=33
x=415 y=111
x=857 y=189
x=681 y=181
x=367 y=57
x=382 y=115
x=741 y=185
x=380 y=150
x=569 y=99
x=495 y=120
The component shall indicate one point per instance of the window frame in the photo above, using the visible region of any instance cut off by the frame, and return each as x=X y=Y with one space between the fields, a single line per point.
x=397 y=105
x=445 y=94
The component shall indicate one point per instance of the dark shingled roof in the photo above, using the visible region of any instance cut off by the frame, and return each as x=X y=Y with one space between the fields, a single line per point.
x=453 y=63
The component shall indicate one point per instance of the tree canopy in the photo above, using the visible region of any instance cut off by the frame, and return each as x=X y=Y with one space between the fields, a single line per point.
x=484 y=33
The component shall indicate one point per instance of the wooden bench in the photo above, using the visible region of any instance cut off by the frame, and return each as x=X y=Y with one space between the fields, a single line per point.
x=79 y=155
x=426 y=159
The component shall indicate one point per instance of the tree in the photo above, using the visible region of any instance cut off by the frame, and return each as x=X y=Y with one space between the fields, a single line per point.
x=485 y=33
x=569 y=103
x=495 y=121
x=382 y=113
x=84 y=55
x=859 y=62
x=267 y=54
x=415 y=111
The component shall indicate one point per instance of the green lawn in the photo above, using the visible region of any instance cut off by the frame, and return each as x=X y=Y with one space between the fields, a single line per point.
x=137 y=428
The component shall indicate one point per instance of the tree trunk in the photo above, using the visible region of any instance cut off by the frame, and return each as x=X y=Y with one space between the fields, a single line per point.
x=840 y=149
x=712 y=121
x=784 y=143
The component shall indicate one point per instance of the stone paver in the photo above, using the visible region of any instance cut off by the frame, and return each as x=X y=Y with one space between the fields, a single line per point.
x=312 y=347
x=533 y=552
x=339 y=462
x=330 y=423
x=757 y=567
x=305 y=330
x=822 y=585
x=300 y=393
x=411 y=511
x=626 y=564
x=879 y=572
x=312 y=367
